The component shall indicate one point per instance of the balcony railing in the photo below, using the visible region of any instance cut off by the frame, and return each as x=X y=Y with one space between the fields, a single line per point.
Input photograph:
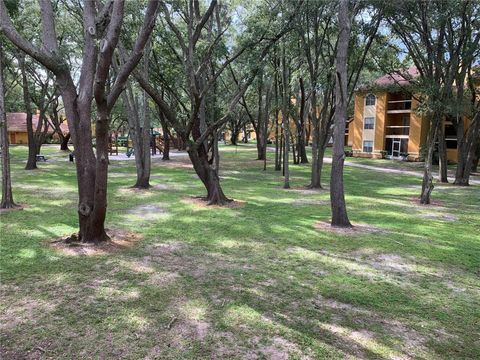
x=397 y=130
x=399 y=107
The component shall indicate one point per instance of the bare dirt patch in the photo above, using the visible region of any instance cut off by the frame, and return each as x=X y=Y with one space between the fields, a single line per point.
x=357 y=229
x=201 y=203
x=119 y=240
x=147 y=212
x=411 y=342
x=305 y=190
x=163 y=187
x=301 y=202
x=440 y=217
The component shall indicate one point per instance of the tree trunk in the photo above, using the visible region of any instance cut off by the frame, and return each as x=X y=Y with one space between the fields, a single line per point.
x=260 y=120
x=64 y=143
x=216 y=154
x=294 y=147
x=166 y=142
x=32 y=148
x=427 y=182
x=95 y=230
x=442 y=154
x=315 y=173
x=302 y=151
x=285 y=122
x=265 y=127
x=468 y=152
x=141 y=145
x=90 y=200
x=140 y=134
x=337 y=196
x=475 y=157
x=7 y=194
x=245 y=134
x=234 y=137
x=207 y=175
x=261 y=142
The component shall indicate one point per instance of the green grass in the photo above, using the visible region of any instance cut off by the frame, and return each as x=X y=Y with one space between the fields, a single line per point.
x=256 y=281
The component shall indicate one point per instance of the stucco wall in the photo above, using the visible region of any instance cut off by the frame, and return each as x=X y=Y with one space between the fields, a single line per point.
x=380 y=115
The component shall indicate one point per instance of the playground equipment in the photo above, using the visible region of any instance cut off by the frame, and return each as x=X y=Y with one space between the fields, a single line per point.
x=156 y=143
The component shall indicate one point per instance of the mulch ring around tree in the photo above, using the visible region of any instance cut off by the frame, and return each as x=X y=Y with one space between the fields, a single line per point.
x=119 y=240
x=200 y=202
x=15 y=208
x=416 y=201
x=357 y=229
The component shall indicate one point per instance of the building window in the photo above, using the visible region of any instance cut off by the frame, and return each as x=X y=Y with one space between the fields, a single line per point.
x=450 y=136
x=368 y=123
x=370 y=100
x=367 y=146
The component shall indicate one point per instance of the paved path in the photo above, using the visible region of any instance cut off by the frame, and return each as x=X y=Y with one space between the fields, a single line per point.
x=123 y=156
x=473 y=180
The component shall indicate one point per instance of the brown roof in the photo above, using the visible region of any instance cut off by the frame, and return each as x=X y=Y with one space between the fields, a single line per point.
x=17 y=122
x=397 y=78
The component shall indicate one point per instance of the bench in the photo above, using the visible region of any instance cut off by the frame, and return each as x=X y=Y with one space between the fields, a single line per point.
x=41 y=158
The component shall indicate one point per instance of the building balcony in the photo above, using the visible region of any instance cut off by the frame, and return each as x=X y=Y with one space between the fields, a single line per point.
x=396 y=130
x=399 y=107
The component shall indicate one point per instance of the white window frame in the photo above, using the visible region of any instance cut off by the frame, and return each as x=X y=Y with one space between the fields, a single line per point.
x=365 y=123
x=363 y=146
x=370 y=96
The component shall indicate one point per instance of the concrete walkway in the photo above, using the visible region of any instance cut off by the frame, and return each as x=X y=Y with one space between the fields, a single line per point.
x=474 y=180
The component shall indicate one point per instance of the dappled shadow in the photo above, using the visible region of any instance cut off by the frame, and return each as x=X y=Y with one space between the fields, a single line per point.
x=253 y=282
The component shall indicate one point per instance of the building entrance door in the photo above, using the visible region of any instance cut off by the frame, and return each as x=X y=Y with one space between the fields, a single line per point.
x=396 y=143
x=396 y=146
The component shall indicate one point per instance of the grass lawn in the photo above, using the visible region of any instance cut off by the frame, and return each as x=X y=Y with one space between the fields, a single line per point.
x=258 y=281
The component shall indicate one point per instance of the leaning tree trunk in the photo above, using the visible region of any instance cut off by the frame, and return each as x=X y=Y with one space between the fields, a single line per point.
x=473 y=146
x=64 y=142
x=322 y=146
x=7 y=195
x=468 y=153
x=427 y=182
x=337 y=195
x=207 y=174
